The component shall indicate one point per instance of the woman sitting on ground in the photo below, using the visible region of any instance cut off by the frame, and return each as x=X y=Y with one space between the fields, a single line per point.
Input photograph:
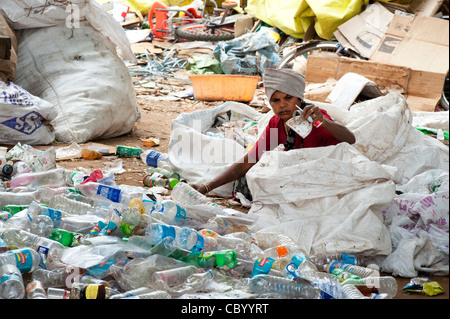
x=285 y=90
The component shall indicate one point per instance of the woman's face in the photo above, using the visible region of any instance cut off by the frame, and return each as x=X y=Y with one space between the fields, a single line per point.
x=284 y=105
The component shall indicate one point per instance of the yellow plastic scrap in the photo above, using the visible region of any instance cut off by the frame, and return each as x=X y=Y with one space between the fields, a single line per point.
x=330 y=14
x=294 y=17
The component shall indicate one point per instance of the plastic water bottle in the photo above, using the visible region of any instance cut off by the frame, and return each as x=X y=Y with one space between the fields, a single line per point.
x=175 y=276
x=35 y=290
x=20 y=198
x=57 y=293
x=26 y=259
x=172 y=213
x=70 y=206
x=11 y=282
x=20 y=238
x=51 y=278
x=131 y=219
x=92 y=189
x=132 y=293
x=350 y=292
x=359 y=271
x=381 y=285
x=320 y=260
x=142 y=293
x=186 y=195
x=286 y=288
x=155 y=158
x=186 y=238
x=50 y=178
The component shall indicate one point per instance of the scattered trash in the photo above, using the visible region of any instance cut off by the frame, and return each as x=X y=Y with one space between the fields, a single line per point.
x=423 y=285
x=79 y=234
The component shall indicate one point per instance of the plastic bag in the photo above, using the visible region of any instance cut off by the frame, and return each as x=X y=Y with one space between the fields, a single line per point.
x=241 y=55
x=294 y=17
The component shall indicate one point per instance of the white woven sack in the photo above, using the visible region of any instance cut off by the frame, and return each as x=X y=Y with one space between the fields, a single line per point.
x=79 y=73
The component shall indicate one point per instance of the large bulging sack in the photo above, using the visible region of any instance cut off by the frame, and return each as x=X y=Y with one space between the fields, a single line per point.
x=79 y=72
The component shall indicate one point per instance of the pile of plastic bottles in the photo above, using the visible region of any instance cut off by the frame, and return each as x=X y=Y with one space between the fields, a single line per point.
x=65 y=235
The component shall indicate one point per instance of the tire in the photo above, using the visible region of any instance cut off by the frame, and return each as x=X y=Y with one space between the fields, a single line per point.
x=329 y=46
x=199 y=32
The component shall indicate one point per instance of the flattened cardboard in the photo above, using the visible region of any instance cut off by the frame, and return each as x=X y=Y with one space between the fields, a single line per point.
x=420 y=43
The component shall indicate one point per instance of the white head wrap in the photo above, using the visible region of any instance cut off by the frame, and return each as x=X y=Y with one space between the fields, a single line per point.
x=284 y=80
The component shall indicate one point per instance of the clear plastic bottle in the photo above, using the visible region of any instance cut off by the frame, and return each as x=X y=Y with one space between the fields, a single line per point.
x=155 y=180
x=45 y=194
x=186 y=195
x=172 y=213
x=26 y=259
x=303 y=267
x=130 y=221
x=382 y=285
x=142 y=293
x=175 y=276
x=241 y=245
x=286 y=288
x=320 y=260
x=220 y=225
x=70 y=206
x=11 y=282
x=186 y=238
x=155 y=158
x=40 y=225
x=107 y=226
x=359 y=271
x=57 y=293
x=350 y=292
x=51 y=278
x=19 y=198
x=49 y=178
x=48 y=248
x=35 y=290
x=132 y=293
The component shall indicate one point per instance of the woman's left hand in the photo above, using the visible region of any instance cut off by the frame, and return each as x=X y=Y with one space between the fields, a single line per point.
x=314 y=112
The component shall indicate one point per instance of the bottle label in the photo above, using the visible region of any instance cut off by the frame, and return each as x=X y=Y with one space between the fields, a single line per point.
x=109 y=192
x=181 y=213
x=10 y=277
x=91 y=292
x=262 y=266
x=24 y=260
x=152 y=158
x=42 y=250
x=281 y=251
x=54 y=214
x=335 y=265
x=349 y=259
x=128 y=229
x=297 y=259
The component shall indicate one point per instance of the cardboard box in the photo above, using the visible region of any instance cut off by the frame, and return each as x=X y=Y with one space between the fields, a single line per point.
x=417 y=42
x=364 y=32
x=426 y=8
x=422 y=89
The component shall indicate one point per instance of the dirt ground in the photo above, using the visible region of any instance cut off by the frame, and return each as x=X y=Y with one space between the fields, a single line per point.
x=155 y=122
